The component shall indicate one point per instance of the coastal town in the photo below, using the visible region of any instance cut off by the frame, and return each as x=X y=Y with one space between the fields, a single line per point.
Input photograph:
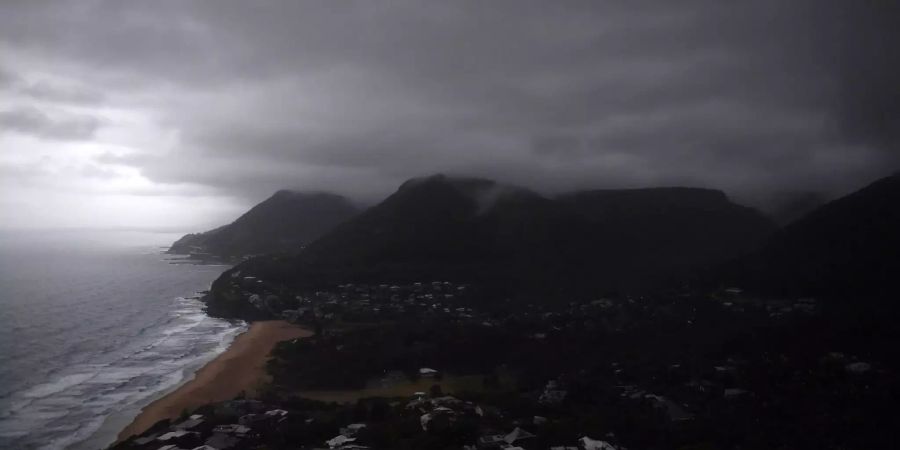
x=244 y=424
x=431 y=365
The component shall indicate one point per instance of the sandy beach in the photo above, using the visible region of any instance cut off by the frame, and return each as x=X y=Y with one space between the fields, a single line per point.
x=240 y=368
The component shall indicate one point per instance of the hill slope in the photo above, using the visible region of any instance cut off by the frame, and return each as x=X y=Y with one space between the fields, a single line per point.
x=848 y=247
x=518 y=243
x=667 y=229
x=283 y=222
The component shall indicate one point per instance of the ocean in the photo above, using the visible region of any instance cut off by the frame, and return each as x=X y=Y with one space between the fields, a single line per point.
x=94 y=326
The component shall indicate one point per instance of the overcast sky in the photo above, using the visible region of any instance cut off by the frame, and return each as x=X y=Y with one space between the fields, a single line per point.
x=182 y=114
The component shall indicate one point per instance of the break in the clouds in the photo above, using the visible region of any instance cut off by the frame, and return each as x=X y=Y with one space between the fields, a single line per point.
x=178 y=103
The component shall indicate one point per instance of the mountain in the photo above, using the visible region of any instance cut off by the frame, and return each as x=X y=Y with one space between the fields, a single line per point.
x=515 y=242
x=284 y=222
x=432 y=228
x=663 y=229
x=849 y=247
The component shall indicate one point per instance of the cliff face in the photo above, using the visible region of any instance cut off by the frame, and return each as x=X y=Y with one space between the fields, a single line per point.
x=516 y=242
x=282 y=223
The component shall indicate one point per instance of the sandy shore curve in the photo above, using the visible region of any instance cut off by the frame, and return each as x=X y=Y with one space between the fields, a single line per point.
x=242 y=367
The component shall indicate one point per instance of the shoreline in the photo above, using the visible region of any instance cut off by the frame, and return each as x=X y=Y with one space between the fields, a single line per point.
x=241 y=367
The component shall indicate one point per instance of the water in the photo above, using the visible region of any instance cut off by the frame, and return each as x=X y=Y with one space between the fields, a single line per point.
x=93 y=326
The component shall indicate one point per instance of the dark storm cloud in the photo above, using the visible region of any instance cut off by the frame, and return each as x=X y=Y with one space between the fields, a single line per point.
x=34 y=122
x=867 y=40
x=751 y=97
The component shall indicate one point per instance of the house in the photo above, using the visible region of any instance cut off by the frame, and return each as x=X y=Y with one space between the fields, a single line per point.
x=417 y=403
x=552 y=396
x=504 y=440
x=277 y=413
x=191 y=424
x=255 y=420
x=180 y=438
x=491 y=441
x=339 y=441
x=517 y=435
x=235 y=429
x=587 y=443
x=674 y=411
x=352 y=430
x=145 y=440
x=171 y=435
x=734 y=393
x=858 y=368
x=447 y=400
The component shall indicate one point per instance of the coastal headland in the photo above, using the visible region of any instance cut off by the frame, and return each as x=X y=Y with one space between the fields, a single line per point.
x=241 y=368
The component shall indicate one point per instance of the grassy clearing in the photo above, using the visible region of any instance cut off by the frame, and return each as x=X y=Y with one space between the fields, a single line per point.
x=449 y=384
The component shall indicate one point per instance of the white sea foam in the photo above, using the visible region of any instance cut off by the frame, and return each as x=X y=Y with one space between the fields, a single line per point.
x=73 y=404
x=58 y=385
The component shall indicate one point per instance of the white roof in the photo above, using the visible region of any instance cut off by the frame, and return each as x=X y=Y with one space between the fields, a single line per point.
x=231 y=428
x=590 y=444
x=858 y=367
x=734 y=392
x=339 y=440
x=172 y=434
x=517 y=434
